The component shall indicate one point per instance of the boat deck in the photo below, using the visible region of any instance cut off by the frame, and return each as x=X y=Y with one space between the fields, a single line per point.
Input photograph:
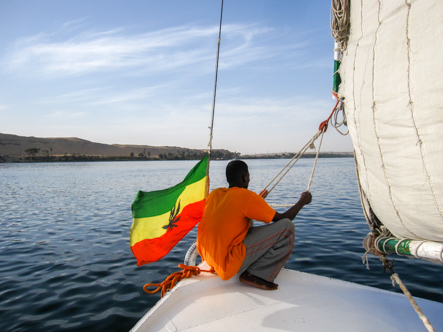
x=303 y=302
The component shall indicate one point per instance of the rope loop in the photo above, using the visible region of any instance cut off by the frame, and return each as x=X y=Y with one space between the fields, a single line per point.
x=333 y=118
x=174 y=278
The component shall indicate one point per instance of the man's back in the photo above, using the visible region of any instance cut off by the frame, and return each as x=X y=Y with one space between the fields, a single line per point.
x=225 y=224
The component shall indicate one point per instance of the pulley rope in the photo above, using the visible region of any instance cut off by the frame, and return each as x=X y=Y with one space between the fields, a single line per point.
x=299 y=154
x=291 y=163
x=316 y=158
x=321 y=130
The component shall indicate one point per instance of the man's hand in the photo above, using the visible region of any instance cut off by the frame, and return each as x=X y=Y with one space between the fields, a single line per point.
x=305 y=198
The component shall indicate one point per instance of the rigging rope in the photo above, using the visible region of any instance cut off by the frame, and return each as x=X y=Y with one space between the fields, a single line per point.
x=396 y=279
x=215 y=80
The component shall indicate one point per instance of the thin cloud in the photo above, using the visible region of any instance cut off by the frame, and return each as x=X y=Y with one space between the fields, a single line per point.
x=75 y=24
x=184 y=48
x=67 y=115
x=90 y=52
x=132 y=95
x=83 y=95
x=4 y=108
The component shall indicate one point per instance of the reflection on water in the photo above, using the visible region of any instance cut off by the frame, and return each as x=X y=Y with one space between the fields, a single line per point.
x=65 y=260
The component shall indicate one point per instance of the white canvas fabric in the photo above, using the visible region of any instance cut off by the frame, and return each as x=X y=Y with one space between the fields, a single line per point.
x=392 y=85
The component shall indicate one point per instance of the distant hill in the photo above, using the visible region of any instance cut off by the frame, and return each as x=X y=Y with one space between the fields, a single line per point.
x=18 y=147
x=24 y=148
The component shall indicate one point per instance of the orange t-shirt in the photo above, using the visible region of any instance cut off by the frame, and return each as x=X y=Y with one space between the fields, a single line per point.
x=224 y=225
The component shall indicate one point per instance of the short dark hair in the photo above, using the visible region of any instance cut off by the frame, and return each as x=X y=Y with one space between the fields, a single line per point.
x=235 y=170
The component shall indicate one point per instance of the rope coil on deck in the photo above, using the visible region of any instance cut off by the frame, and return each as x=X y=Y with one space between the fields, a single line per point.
x=174 y=278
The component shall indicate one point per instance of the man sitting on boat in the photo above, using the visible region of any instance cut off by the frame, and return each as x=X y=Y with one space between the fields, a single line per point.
x=226 y=241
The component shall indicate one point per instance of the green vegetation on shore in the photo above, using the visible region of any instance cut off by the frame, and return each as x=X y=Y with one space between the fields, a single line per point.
x=215 y=155
x=15 y=148
x=33 y=156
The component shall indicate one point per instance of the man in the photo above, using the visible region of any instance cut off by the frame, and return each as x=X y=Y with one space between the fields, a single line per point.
x=227 y=243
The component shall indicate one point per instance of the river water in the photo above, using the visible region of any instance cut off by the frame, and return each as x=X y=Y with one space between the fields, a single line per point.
x=65 y=261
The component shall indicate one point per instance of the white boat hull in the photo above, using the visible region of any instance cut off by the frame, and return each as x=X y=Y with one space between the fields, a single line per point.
x=303 y=302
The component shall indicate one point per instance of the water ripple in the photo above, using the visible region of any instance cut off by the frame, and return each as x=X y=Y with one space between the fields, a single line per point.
x=65 y=259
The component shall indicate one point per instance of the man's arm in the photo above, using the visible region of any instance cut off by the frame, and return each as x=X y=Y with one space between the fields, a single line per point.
x=305 y=198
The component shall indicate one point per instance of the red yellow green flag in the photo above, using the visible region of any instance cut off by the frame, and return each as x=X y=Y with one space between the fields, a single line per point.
x=162 y=218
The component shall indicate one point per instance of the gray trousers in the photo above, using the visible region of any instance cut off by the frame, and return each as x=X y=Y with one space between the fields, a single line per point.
x=268 y=248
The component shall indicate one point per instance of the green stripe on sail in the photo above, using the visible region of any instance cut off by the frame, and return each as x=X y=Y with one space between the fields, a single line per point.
x=154 y=203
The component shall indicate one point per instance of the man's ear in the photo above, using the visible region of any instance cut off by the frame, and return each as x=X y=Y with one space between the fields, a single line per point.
x=244 y=181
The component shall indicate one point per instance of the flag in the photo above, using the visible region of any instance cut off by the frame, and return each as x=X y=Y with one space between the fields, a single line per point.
x=162 y=218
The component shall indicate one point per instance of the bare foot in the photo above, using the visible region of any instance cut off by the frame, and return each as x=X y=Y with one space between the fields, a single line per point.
x=252 y=280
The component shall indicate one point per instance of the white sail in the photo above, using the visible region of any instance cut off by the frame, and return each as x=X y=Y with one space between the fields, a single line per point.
x=392 y=86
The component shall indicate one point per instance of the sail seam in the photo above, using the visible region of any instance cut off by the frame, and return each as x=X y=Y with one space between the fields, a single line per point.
x=412 y=109
x=374 y=107
x=355 y=104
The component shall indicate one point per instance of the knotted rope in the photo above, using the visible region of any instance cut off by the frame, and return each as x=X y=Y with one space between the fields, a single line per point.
x=174 y=278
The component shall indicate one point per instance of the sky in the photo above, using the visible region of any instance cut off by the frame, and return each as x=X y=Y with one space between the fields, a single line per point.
x=143 y=72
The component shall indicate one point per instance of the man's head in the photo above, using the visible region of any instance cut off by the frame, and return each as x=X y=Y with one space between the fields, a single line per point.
x=237 y=174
